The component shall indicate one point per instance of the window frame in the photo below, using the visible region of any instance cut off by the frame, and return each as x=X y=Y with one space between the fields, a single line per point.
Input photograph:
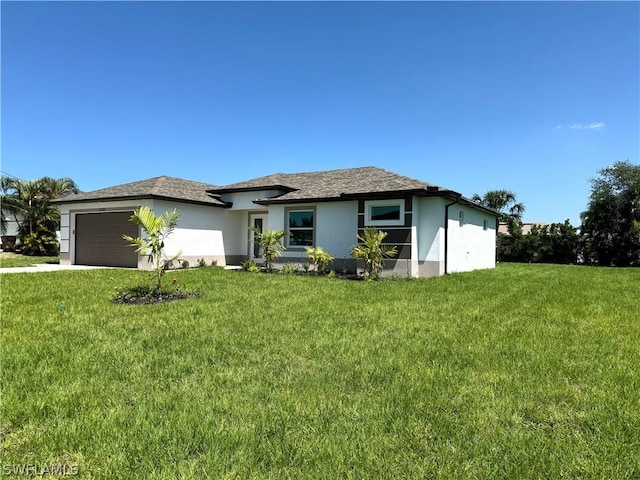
x=288 y=229
x=396 y=202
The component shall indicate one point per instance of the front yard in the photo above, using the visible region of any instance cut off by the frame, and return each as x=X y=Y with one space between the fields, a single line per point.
x=525 y=371
x=9 y=259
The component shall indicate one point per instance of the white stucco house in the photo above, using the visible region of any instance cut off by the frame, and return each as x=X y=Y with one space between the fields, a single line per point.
x=436 y=230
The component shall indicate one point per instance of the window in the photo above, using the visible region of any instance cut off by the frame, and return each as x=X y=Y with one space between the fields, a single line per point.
x=300 y=228
x=384 y=212
x=485 y=224
x=461 y=217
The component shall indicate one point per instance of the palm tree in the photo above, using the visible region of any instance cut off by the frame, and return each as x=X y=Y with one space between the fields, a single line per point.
x=156 y=230
x=371 y=250
x=271 y=245
x=504 y=202
x=29 y=202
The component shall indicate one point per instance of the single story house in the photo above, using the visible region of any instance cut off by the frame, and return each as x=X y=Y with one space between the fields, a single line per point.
x=435 y=230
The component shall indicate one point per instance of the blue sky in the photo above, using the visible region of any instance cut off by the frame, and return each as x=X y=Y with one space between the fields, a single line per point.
x=531 y=97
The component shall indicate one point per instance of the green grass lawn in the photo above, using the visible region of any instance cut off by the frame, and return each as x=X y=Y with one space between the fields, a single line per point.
x=9 y=259
x=525 y=371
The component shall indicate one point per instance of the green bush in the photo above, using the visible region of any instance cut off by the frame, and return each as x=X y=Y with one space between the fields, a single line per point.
x=250 y=266
x=289 y=269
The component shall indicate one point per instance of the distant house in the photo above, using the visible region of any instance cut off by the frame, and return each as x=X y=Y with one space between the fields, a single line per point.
x=10 y=235
x=435 y=230
x=526 y=227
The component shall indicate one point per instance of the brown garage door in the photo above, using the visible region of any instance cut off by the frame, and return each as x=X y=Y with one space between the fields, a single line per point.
x=99 y=239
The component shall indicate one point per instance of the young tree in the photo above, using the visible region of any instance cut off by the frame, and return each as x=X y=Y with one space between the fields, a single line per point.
x=371 y=250
x=271 y=246
x=611 y=223
x=156 y=230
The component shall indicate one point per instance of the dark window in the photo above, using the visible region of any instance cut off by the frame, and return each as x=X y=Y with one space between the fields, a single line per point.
x=300 y=227
x=385 y=212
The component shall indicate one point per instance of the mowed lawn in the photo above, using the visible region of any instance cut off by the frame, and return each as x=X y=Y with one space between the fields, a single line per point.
x=9 y=260
x=525 y=371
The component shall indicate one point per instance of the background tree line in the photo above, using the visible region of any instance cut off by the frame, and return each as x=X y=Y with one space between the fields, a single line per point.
x=609 y=234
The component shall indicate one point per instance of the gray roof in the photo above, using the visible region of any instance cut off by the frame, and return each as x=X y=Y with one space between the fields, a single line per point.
x=332 y=184
x=164 y=187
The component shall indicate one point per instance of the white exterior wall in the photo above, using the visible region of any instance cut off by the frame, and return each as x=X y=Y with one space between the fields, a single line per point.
x=471 y=247
x=337 y=227
x=12 y=226
x=203 y=232
x=244 y=200
x=431 y=229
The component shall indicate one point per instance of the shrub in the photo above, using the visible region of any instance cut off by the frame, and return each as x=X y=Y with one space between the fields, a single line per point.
x=39 y=243
x=319 y=258
x=250 y=266
x=289 y=269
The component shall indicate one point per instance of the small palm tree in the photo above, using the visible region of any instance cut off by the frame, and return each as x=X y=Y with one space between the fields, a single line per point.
x=319 y=257
x=371 y=250
x=156 y=230
x=271 y=245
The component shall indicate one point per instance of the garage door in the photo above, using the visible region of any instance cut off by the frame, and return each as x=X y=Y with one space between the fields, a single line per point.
x=99 y=239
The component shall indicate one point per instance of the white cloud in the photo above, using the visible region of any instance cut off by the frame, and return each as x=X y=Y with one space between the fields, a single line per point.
x=588 y=126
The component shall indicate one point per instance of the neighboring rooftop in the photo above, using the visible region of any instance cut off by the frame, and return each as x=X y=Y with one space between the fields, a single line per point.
x=330 y=184
x=164 y=187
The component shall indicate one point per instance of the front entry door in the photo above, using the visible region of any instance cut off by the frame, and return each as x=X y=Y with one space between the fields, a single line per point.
x=259 y=222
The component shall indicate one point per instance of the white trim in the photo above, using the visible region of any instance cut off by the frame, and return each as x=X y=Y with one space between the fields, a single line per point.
x=383 y=203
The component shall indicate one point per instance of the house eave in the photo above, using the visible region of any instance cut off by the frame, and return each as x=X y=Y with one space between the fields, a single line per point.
x=68 y=200
x=419 y=192
x=284 y=188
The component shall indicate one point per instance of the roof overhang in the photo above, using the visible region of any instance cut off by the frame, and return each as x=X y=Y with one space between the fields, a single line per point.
x=68 y=200
x=420 y=192
x=284 y=188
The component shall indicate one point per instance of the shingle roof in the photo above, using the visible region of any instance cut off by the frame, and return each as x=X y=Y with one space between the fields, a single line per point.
x=158 y=187
x=331 y=184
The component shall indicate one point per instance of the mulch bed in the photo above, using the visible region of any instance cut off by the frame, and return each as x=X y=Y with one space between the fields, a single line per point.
x=151 y=298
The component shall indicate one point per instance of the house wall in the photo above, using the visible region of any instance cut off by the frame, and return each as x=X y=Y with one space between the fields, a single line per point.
x=471 y=246
x=12 y=226
x=68 y=214
x=244 y=200
x=430 y=227
x=336 y=228
x=203 y=232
